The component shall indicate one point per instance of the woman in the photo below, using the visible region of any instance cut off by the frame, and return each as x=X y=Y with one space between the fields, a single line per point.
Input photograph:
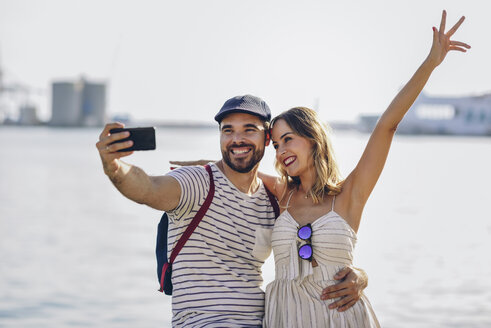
x=314 y=236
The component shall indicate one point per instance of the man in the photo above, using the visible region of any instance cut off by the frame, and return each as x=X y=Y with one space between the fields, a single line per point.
x=217 y=275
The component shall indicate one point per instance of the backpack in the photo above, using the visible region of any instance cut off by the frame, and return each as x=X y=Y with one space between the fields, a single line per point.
x=164 y=266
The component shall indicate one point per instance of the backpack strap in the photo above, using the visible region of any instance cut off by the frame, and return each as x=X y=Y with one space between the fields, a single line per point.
x=191 y=227
x=273 y=201
x=161 y=245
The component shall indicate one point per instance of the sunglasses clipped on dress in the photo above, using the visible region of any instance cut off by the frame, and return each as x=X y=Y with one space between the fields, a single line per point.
x=305 y=233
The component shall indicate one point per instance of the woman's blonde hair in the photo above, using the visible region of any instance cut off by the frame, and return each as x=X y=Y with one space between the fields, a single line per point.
x=305 y=122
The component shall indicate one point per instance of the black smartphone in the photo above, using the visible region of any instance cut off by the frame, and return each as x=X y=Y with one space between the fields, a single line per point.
x=143 y=138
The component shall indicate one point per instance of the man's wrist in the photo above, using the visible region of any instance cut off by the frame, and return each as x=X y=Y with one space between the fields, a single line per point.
x=117 y=176
x=365 y=278
x=362 y=275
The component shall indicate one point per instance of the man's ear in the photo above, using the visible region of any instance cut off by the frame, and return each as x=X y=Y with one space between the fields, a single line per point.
x=267 y=137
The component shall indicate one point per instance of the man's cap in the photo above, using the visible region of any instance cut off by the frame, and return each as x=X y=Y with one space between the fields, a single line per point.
x=245 y=104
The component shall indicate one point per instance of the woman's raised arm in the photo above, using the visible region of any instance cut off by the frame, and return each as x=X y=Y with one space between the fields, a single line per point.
x=362 y=180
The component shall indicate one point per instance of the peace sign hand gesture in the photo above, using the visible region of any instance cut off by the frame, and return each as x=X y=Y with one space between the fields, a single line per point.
x=442 y=43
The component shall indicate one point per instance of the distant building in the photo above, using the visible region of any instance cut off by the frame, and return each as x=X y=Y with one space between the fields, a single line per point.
x=66 y=104
x=28 y=115
x=469 y=115
x=93 y=104
x=79 y=103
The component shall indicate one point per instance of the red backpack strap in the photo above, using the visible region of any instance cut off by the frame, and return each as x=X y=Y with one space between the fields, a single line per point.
x=191 y=227
x=196 y=220
x=273 y=201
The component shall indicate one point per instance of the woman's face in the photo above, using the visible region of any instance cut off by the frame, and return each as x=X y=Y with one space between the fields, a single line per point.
x=292 y=151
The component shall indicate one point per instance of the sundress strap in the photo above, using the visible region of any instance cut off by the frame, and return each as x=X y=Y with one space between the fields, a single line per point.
x=290 y=197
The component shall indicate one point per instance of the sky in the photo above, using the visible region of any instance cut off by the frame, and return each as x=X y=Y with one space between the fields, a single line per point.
x=180 y=60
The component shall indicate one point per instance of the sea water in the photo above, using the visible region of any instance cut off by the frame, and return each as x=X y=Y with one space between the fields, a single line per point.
x=75 y=252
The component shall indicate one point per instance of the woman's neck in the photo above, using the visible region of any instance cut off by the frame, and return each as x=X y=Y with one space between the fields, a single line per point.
x=307 y=180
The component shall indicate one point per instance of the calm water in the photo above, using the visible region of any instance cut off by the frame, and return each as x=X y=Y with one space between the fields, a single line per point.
x=74 y=252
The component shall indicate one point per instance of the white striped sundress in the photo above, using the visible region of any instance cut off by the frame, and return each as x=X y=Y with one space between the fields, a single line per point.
x=293 y=298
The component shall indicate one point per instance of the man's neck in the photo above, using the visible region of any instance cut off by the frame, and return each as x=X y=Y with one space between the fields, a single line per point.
x=245 y=182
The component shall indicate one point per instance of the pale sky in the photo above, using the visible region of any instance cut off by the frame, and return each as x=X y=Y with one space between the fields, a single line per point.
x=180 y=60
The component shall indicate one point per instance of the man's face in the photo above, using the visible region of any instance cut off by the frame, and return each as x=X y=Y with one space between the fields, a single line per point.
x=242 y=141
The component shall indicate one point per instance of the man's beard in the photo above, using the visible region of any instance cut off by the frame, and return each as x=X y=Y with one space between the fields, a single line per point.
x=243 y=165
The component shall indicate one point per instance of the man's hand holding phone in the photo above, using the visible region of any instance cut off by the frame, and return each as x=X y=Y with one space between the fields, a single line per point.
x=116 y=141
x=109 y=147
x=159 y=192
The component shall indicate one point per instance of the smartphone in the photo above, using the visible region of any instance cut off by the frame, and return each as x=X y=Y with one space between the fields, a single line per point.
x=143 y=138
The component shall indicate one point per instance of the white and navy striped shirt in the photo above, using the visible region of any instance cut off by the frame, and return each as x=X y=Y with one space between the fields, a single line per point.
x=217 y=274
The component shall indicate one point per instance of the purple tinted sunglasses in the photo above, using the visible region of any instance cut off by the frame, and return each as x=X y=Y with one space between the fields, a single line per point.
x=305 y=233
